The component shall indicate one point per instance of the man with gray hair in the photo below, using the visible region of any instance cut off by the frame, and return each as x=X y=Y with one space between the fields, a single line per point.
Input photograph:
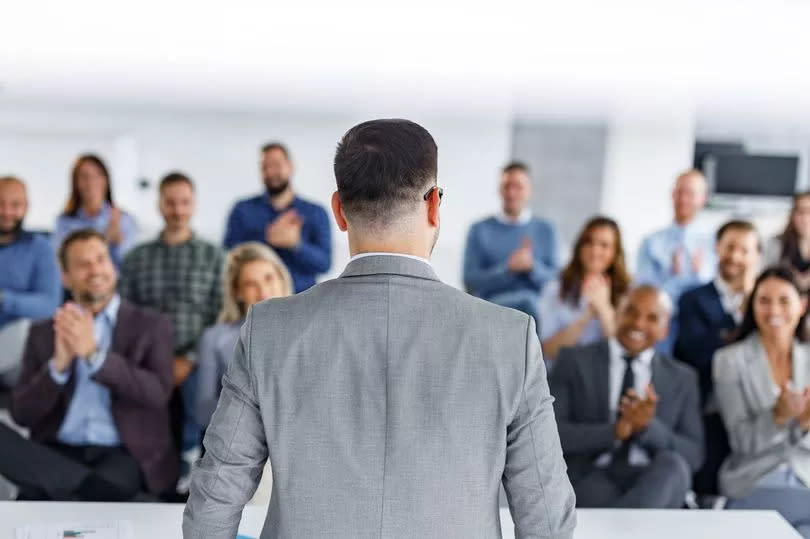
x=629 y=417
x=389 y=404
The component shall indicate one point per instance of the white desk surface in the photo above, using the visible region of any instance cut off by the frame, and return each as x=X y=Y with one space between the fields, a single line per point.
x=163 y=521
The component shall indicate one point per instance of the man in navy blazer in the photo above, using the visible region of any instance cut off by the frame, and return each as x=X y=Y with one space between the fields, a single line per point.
x=708 y=316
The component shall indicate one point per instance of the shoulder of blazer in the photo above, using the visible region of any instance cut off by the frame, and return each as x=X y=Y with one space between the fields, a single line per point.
x=675 y=368
x=584 y=354
x=734 y=356
x=140 y=317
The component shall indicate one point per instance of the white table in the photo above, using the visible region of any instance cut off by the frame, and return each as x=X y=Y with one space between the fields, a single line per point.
x=163 y=521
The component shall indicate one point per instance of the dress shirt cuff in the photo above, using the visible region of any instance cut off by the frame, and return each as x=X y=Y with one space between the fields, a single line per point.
x=60 y=378
x=96 y=360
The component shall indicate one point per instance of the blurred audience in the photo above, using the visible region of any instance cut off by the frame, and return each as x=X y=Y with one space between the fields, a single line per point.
x=93 y=392
x=681 y=256
x=761 y=383
x=792 y=247
x=91 y=206
x=29 y=280
x=178 y=274
x=629 y=416
x=708 y=316
x=580 y=306
x=510 y=256
x=296 y=229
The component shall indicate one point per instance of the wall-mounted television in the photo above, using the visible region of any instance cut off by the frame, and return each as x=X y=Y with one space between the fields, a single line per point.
x=752 y=175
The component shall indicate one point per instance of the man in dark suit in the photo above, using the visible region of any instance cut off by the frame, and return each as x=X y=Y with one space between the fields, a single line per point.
x=629 y=416
x=708 y=316
x=94 y=389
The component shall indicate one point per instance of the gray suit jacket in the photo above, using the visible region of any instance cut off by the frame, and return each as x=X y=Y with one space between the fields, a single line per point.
x=390 y=405
x=580 y=384
x=746 y=395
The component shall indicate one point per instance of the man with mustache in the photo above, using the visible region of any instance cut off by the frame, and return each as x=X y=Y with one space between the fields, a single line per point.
x=629 y=416
x=93 y=392
x=29 y=280
x=298 y=230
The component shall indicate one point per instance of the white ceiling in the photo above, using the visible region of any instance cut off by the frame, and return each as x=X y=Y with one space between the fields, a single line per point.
x=747 y=59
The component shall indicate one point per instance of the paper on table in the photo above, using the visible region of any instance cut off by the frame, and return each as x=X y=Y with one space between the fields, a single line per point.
x=121 y=529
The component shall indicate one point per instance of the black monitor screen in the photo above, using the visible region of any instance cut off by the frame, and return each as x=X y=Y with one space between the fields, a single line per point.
x=764 y=175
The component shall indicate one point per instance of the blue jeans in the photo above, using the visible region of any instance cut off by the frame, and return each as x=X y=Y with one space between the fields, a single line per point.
x=781 y=491
x=191 y=431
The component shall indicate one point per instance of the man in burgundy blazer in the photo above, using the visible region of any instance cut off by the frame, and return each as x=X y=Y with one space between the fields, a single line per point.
x=94 y=389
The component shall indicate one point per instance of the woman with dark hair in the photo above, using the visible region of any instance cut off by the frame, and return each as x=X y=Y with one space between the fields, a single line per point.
x=580 y=306
x=792 y=247
x=91 y=205
x=761 y=385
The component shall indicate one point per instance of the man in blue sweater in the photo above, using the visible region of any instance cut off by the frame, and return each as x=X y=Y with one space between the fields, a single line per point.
x=29 y=281
x=298 y=230
x=510 y=256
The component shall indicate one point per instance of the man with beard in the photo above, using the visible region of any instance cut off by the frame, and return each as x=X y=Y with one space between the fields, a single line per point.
x=93 y=391
x=297 y=229
x=708 y=316
x=388 y=403
x=29 y=279
x=178 y=274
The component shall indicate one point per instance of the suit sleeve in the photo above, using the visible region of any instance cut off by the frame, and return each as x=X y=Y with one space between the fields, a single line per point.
x=696 y=339
x=36 y=393
x=150 y=382
x=235 y=454
x=686 y=438
x=578 y=438
x=540 y=495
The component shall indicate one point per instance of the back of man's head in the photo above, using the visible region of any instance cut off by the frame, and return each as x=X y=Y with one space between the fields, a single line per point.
x=383 y=169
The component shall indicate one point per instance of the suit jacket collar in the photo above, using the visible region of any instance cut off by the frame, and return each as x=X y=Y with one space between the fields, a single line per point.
x=389 y=265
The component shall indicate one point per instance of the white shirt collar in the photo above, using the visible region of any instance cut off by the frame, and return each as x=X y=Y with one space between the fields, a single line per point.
x=617 y=351
x=732 y=301
x=412 y=257
x=522 y=219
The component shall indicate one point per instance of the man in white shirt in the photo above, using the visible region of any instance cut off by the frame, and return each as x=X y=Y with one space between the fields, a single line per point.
x=629 y=416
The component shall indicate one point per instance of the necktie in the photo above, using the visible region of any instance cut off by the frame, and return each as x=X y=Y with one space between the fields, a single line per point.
x=628 y=382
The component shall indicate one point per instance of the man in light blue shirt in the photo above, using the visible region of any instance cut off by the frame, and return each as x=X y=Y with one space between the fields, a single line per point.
x=681 y=256
x=510 y=256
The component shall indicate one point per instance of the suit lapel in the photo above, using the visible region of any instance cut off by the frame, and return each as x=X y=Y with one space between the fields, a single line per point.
x=119 y=335
x=662 y=379
x=713 y=306
x=601 y=379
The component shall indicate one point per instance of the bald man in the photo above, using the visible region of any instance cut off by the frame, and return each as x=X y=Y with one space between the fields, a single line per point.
x=629 y=416
x=29 y=282
x=680 y=257
x=510 y=256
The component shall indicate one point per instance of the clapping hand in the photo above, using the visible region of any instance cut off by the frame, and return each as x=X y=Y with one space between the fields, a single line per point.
x=285 y=231
x=522 y=259
x=791 y=404
x=637 y=411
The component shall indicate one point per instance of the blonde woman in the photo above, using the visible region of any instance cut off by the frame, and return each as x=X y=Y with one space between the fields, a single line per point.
x=253 y=273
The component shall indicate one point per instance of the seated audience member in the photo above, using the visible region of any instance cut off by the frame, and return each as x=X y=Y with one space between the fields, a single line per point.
x=681 y=256
x=509 y=257
x=253 y=273
x=708 y=316
x=91 y=206
x=93 y=391
x=792 y=247
x=29 y=279
x=629 y=416
x=761 y=384
x=298 y=230
x=178 y=274
x=580 y=307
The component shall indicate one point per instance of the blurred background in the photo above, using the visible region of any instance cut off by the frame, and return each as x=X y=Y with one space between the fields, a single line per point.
x=606 y=101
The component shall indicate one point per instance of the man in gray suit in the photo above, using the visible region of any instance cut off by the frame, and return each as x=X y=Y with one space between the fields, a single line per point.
x=629 y=416
x=389 y=404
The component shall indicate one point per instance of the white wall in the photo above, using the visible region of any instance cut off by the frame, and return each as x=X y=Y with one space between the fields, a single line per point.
x=219 y=150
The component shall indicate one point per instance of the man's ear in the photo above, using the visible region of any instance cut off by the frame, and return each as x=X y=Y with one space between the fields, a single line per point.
x=337 y=211
x=434 y=201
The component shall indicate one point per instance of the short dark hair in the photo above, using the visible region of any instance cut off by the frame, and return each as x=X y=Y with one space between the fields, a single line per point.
x=173 y=178
x=83 y=234
x=741 y=226
x=382 y=167
x=276 y=146
x=515 y=165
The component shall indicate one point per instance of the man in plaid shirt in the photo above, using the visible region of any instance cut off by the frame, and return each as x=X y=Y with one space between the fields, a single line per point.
x=180 y=275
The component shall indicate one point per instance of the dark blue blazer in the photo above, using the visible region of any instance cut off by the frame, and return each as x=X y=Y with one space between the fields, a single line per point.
x=704 y=327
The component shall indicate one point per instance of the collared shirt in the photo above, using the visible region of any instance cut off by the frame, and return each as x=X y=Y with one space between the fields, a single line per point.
x=522 y=219
x=89 y=419
x=183 y=281
x=655 y=259
x=642 y=372
x=29 y=279
x=248 y=222
x=732 y=301
x=66 y=224
x=412 y=257
x=556 y=314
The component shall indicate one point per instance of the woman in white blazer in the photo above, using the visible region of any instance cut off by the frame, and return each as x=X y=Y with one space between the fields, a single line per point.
x=761 y=385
